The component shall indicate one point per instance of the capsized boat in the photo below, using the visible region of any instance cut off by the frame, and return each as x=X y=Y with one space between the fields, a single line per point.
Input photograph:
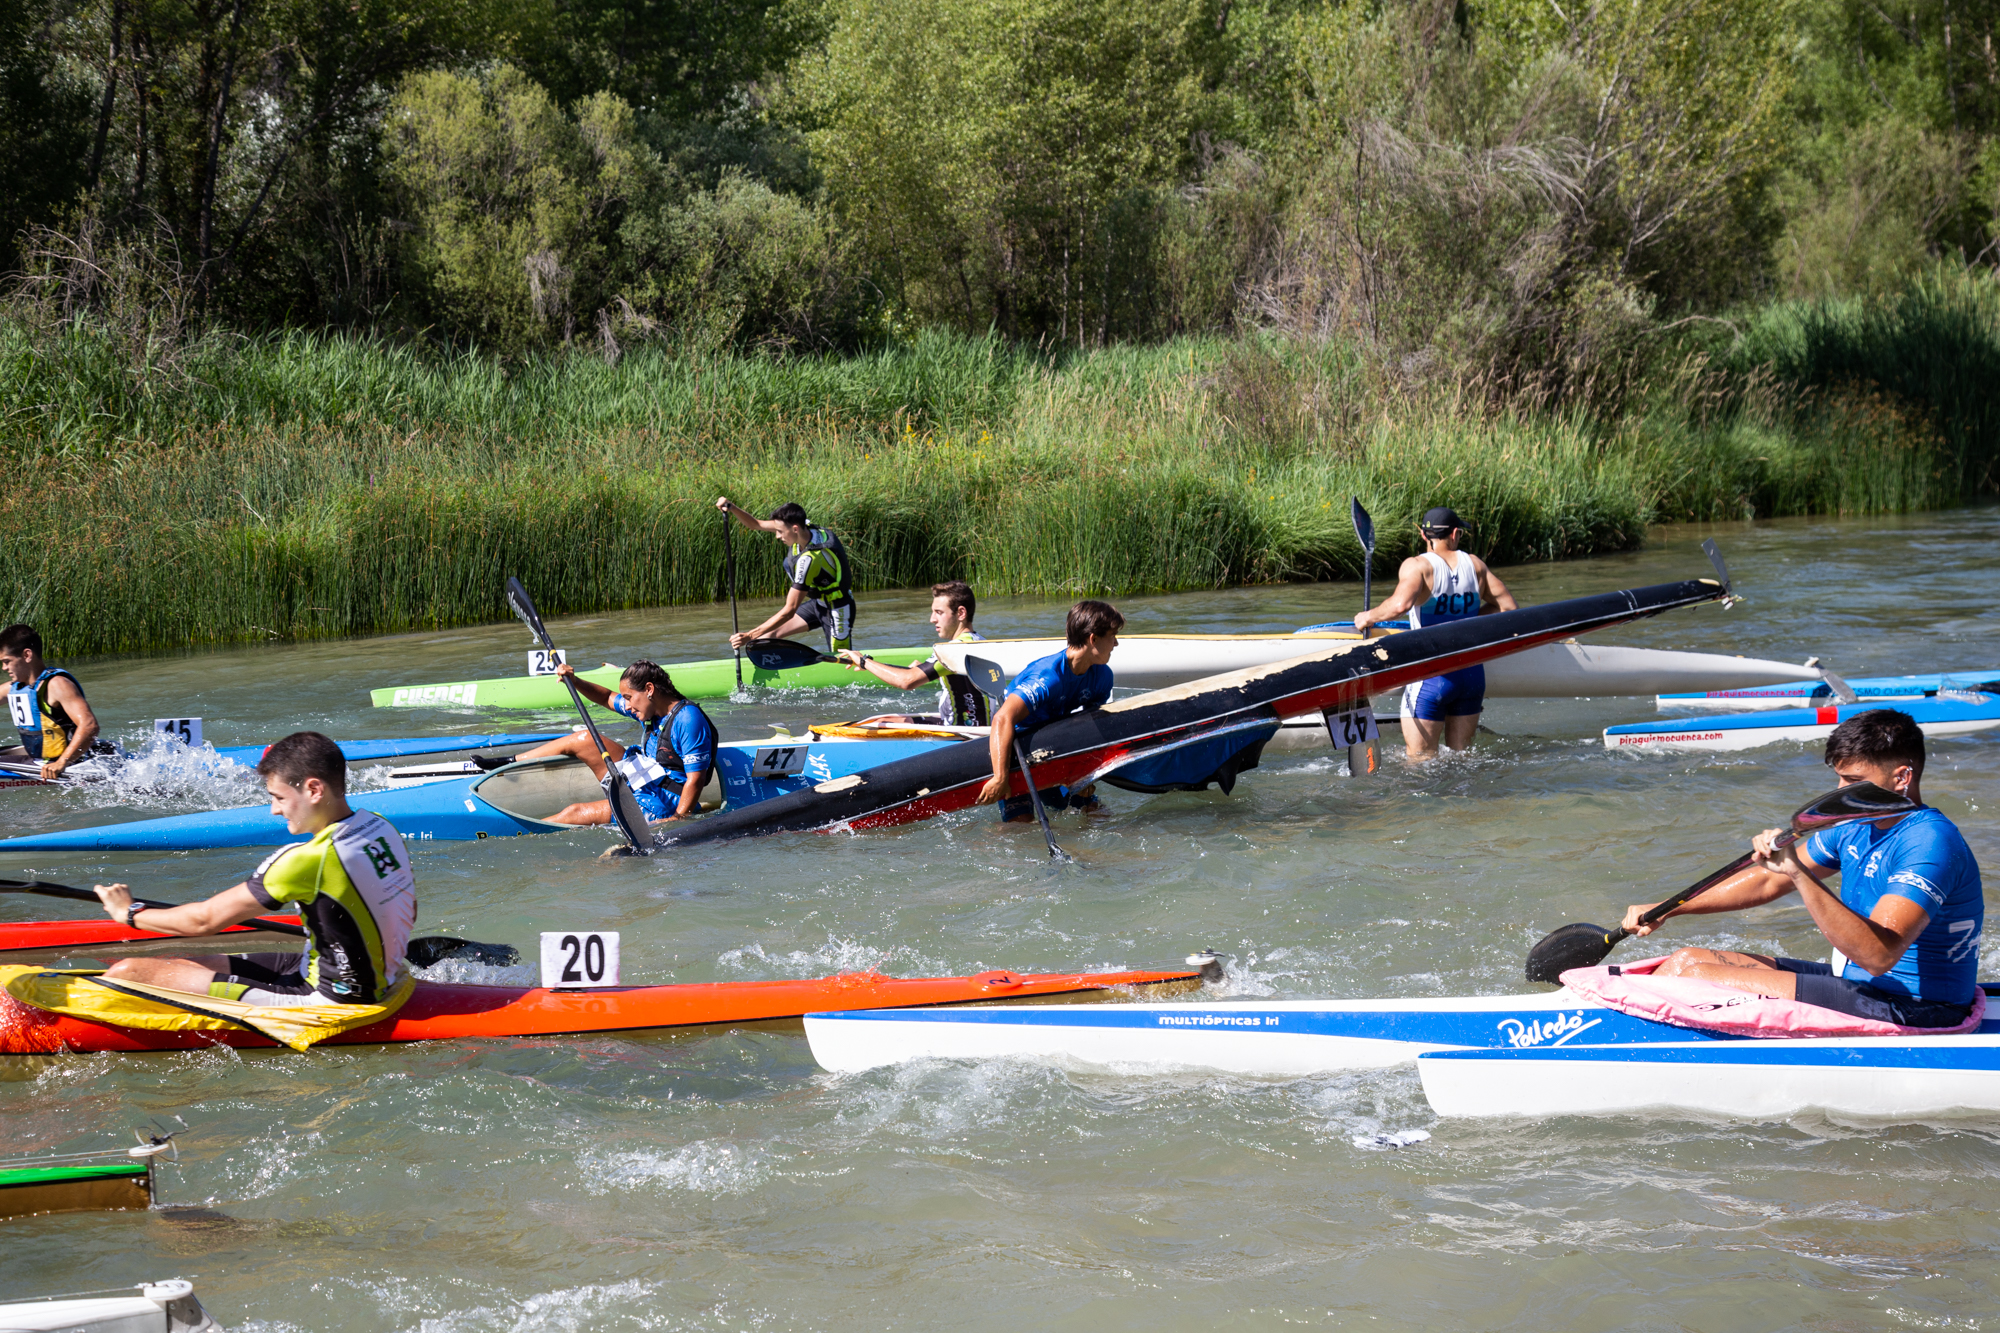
x=439 y=1010
x=1549 y=671
x=168 y=1306
x=106 y=1180
x=1879 y=690
x=1235 y=714
x=1947 y=713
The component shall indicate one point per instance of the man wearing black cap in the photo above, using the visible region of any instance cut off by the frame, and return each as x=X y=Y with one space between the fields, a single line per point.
x=1444 y=583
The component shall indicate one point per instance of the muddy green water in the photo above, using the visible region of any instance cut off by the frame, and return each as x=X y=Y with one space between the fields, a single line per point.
x=723 y=1182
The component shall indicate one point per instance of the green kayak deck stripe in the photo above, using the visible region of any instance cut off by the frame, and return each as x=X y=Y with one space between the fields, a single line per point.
x=56 y=1175
x=713 y=679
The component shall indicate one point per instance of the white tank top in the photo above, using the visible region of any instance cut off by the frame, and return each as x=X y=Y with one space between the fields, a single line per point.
x=1454 y=591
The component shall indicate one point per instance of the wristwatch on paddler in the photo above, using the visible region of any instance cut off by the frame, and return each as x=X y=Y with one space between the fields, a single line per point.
x=132 y=911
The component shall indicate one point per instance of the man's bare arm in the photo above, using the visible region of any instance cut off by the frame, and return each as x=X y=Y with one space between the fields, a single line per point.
x=63 y=690
x=1493 y=594
x=903 y=678
x=1413 y=584
x=228 y=908
x=1000 y=748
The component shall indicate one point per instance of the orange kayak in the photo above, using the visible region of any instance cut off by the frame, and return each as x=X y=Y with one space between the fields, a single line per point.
x=441 y=1011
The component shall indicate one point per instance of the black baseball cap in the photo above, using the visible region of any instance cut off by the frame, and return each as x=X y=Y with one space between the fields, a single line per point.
x=1441 y=521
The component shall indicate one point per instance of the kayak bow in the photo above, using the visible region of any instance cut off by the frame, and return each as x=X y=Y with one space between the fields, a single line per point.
x=1949 y=713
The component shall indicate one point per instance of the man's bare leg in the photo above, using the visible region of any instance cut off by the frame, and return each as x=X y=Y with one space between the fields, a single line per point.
x=1459 y=729
x=193 y=975
x=1421 y=738
x=1751 y=972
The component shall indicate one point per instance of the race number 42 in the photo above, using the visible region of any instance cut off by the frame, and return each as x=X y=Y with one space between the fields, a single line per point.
x=579 y=959
x=544 y=661
x=1356 y=726
x=186 y=730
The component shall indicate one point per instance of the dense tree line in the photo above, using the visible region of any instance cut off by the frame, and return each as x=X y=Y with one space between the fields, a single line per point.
x=1511 y=188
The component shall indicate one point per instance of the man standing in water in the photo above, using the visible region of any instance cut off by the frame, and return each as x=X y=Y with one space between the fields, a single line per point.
x=1079 y=677
x=960 y=704
x=350 y=880
x=1443 y=583
x=821 y=595
x=1906 y=924
x=47 y=706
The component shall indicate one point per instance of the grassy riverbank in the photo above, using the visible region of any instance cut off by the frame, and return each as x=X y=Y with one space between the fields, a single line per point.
x=312 y=487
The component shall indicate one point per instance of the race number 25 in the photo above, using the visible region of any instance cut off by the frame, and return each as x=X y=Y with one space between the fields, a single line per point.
x=544 y=661
x=579 y=959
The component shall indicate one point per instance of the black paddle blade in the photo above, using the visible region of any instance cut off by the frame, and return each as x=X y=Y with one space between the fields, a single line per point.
x=1364 y=526
x=988 y=676
x=430 y=950
x=524 y=607
x=1857 y=800
x=625 y=812
x=1579 y=944
x=782 y=654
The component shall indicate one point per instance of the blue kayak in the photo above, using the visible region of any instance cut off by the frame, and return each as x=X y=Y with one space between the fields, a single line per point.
x=1799 y=694
x=1948 y=713
x=361 y=751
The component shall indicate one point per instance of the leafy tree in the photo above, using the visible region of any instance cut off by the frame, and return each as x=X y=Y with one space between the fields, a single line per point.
x=43 y=144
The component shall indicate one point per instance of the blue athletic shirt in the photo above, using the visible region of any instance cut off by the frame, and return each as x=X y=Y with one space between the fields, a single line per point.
x=1922 y=857
x=690 y=742
x=1051 y=690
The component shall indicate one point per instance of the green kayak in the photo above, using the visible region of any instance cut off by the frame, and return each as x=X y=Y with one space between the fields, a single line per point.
x=714 y=679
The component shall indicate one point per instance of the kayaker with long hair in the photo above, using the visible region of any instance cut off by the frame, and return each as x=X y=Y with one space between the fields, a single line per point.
x=821 y=592
x=1906 y=924
x=1077 y=678
x=351 y=881
x=667 y=768
x=1439 y=584
x=46 y=704
x=960 y=704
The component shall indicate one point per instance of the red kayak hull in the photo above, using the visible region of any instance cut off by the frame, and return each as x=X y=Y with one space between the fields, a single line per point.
x=41 y=936
x=439 y=1012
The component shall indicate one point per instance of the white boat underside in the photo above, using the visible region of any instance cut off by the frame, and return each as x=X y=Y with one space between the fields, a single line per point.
x=1751 y=738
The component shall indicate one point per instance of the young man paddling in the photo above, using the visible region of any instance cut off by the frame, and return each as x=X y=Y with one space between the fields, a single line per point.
x=1079 y=677
x=821 y=595
x=960 y=704
x=350 y=880
x=1442 y=584
x=47 y=706
x=669 y=765
x=1906 y=924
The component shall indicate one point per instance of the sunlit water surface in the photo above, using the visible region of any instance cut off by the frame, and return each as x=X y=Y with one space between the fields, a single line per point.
x=721 y=1181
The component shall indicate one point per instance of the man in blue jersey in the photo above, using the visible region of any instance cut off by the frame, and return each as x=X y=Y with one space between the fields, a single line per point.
x=1079 y=677
x=669 y=765
x=1440 y=584
x=1906 y=923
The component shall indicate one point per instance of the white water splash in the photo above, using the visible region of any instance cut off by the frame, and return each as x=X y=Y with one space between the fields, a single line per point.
x=703 y=1167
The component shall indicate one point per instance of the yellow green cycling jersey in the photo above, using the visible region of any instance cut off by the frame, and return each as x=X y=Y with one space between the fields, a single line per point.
x=820 y=569
x=355 y=891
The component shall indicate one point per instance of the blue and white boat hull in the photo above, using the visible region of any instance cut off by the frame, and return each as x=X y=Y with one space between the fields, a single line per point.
x=1880 y=690
x=1948 y=714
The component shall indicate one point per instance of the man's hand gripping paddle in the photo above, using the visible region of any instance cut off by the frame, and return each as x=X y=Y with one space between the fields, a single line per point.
x=625 y=811
x=423 y=951
x=992 y=683
x=1584 y=945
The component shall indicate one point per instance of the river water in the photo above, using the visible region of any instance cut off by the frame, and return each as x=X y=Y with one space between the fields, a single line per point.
x=721 y=1181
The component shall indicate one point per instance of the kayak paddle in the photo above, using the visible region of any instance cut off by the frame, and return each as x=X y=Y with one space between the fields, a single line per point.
x=423 y=951
x=992 y=683
x=729 y=561
x=783 y=654
x=1364 y=532
x=625 y=811
x=1585 y=945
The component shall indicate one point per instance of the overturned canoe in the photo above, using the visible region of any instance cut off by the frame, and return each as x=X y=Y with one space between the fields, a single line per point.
x=1880 y=690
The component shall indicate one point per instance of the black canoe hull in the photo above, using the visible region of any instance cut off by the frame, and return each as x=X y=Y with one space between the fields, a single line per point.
x=1084 y=746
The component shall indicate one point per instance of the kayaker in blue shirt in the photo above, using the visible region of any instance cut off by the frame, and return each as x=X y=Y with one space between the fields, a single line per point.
x=960 y=704
x=1906 y=925
x=1439 y=584
x=46 y=706
x=1079 y=677
x=669 y=765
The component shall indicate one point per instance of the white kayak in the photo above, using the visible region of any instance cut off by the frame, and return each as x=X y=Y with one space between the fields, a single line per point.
x=1528 y=1055
x=1948 y=713
x=1568 y=670
x=156 y=1307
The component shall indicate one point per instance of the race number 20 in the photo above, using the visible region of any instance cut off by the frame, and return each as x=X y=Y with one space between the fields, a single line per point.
x=186 y=730
x=579 y=959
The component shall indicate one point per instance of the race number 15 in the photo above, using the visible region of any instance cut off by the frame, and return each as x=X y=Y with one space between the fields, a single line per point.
x=186 y=730
x=579 y=959
x=544 y=661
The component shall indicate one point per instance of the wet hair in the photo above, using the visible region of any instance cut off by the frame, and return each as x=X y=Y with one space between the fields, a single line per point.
x=1878 y=736
x=1087 y=619
x=791 y=512
x=643 y=673
x=19 y=638
x=302 y=755
x=957 y=594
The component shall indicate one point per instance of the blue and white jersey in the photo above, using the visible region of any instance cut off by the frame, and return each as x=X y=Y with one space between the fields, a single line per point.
x=1051 y=690
x=1454 y=591
x=680 y=743
x=1923 y=858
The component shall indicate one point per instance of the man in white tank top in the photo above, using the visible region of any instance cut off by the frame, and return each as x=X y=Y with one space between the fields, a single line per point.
x=1443 y=583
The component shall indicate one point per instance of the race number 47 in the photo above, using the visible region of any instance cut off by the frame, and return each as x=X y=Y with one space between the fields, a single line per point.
x=579 y=959
x=186 y=730
x=544 y=661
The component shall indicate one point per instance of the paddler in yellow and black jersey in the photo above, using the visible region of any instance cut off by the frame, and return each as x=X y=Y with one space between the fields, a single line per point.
x=821 y=579
x=960 y=704
x=46 y=706
x=350 y=880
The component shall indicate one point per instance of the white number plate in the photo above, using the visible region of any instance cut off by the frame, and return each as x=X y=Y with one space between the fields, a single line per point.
x=544 y=661
x=779 y=761
x=186 y=730
x=1356 y=726
x=22 y=705
x=579 y=959
x=641 y=771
